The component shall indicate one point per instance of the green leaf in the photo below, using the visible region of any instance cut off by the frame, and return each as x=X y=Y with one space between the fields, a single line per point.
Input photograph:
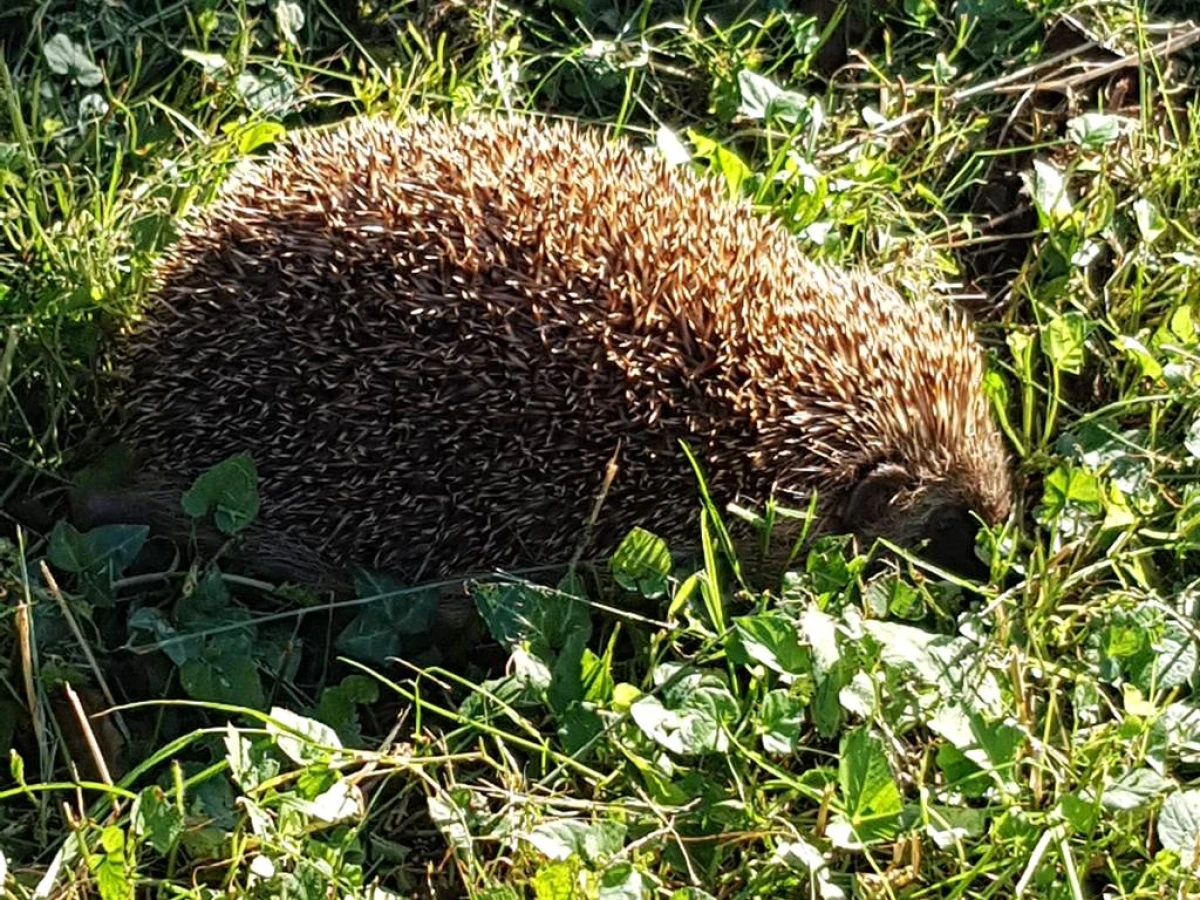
x=670 y=147
x=961 y=774
x=781 y=722
x=1094 y=130
x=1063 y=340
x=1079 y=809
x=578 y=725
x=456 y=813
x=1140 y=354
x=1179 y=826
x=65 y=57
x=897 y=597
x=830 y=571
x=592 y=842
x=259 y=135
x=1072 y=494
x=621 y=881
x=516 y=612
x=211 y=62
x=871 y=800
x=110 y=546
x=557 y=881
x=1150 y=221
x=251 y=763
x=270 y=90
x=819 y=629
x=289 y=19
x=338 y=706
x=223 y=677
x=991 y=746
x=229 y=490
x=921 y=11
x=1135 y=790
x=950 y=825
x=692 y=716
x=387 y=626
x=503 y=892
x=642 y=563
x=762 y=99
x=768 y=639
x=1173 y=663
x=1191 y=438
x=112 y=875
x=1048 y=188
x=724 y=162
x=342 y=801
x=566 y=682
x=157 y=819
x=301 y=739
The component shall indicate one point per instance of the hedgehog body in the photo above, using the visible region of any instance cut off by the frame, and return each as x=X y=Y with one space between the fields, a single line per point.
x=433 y=339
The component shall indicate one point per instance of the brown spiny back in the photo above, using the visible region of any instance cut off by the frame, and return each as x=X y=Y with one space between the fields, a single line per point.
x=433 y=338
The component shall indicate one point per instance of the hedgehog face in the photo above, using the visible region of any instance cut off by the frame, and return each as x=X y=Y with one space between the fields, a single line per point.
x=937 y=516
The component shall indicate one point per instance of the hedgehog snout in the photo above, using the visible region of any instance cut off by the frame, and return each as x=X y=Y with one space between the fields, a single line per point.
x=927 y=516
x=948 y=541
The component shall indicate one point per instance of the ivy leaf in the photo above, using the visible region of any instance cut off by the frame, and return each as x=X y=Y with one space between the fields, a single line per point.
x=65 y=57
x=385 y=627
x=157 y=819
x=111 y=546
x=229 y=490
x=223 y=677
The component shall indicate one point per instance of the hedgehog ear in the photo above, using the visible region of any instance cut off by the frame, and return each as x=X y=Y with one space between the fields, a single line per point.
x=869 y=500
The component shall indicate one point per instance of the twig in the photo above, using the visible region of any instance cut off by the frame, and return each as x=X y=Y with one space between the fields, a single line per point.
x=89 y=735
x=1017 y=82
x=97 y=672
x=1161 y=50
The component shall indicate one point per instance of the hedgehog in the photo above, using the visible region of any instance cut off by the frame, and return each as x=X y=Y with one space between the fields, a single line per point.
x=439 y=341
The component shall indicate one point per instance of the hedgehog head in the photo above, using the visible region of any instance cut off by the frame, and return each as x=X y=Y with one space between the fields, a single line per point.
x=896 y=431
x=935 y=509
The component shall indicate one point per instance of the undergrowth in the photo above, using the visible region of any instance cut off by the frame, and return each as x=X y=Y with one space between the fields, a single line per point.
x=645 y=726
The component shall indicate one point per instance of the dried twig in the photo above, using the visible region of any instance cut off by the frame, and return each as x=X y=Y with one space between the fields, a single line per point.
x=1019 y=81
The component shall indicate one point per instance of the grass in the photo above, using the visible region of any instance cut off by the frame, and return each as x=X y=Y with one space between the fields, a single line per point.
x=850 y=735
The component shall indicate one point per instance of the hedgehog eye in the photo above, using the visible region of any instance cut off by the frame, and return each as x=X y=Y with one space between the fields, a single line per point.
x=869 y=500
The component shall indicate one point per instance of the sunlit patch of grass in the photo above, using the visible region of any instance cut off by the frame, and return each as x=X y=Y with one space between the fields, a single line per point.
x=657 y=729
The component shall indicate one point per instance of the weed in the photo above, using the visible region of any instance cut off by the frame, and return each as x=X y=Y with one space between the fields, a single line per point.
x=644 y=726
